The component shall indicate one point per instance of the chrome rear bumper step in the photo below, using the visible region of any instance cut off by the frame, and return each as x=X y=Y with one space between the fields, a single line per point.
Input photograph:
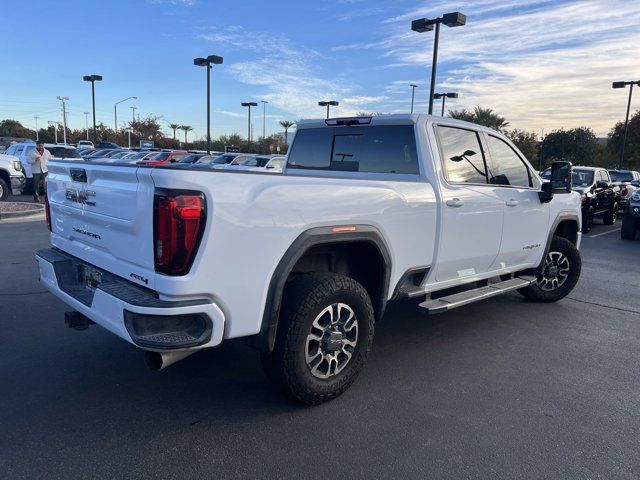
x=443 y=304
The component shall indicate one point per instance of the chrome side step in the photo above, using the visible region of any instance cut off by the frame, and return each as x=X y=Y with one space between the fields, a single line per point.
x=443 y=304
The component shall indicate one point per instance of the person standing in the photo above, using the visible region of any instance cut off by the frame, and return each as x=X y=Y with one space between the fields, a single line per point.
x=38 y=158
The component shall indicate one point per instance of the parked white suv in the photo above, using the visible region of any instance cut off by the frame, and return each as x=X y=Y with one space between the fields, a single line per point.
x=12 y=179
x=303 y=263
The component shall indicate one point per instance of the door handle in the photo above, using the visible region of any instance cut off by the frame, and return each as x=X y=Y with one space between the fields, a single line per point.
x=455 y=203
x=511 y=203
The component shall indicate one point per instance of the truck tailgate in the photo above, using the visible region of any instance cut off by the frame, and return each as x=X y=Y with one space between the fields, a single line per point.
x=103 y=214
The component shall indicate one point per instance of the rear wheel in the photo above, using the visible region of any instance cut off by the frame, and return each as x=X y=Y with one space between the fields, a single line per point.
x=560 y=273
x=629 y=227
x=4 y=190
x=325 y=333
x=612 y=215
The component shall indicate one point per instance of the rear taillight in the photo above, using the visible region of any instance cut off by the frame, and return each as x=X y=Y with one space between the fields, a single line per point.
x=47 y=211
x=624 y=191
x=178 y=223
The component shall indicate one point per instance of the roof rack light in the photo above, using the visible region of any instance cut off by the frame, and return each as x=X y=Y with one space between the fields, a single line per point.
x=348 y=121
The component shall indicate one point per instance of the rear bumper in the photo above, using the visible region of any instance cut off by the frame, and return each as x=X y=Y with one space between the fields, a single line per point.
x=114 y=300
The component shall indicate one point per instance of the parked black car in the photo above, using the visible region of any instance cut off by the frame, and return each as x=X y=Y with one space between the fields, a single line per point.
x=600 y=198
x=107 y=145
x=631 y=218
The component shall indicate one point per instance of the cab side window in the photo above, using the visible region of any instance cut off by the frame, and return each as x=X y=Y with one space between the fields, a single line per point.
x=462 y=156
x=508 y=167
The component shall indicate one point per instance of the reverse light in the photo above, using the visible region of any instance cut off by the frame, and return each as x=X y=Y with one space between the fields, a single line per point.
x=178 y=223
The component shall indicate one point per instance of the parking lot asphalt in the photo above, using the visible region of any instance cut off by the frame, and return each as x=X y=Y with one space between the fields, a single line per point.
x=499 y=389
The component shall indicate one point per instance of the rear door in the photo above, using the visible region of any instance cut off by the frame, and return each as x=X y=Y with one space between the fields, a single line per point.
x=472 y=212
x=103 y=214
x=526 y=218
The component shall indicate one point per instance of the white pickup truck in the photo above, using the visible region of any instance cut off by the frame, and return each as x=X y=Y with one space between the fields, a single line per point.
x=302 y=263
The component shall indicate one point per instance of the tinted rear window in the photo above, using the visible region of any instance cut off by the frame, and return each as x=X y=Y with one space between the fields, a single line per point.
x=374 y=149
x=62 y=152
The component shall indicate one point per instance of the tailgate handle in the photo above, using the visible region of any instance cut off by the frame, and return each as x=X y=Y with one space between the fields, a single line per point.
x=78 y=175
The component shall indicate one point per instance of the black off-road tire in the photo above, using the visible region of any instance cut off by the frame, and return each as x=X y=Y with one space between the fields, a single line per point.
x=5 y=190
x=612 y=215
x=629 y=227
x=587 y=220
x=303 y=301
x=536 y=294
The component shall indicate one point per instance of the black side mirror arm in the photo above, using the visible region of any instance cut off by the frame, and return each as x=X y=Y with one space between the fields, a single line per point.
x=546 y=193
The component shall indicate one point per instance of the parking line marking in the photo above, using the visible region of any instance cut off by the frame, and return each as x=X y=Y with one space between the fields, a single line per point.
x=604 y=233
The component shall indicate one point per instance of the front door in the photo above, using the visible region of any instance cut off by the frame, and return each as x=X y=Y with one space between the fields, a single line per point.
x=524 y=233
x=471 y=211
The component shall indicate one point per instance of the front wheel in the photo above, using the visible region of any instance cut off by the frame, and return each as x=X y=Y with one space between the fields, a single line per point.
x=325 y=333
x=560 y=273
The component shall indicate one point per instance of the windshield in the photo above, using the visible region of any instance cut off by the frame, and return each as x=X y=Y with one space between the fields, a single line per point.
x=159 y=156
x=98 y=153
x=119 y=154
x=138 y=156
x=223 y=159
x=191 y=158
x=581 y=178
x=621 y=176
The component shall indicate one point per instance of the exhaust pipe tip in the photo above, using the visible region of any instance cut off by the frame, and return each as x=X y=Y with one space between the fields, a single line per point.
x=160 y=360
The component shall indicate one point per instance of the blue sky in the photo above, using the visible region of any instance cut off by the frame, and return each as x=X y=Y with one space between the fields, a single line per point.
x=543 y=65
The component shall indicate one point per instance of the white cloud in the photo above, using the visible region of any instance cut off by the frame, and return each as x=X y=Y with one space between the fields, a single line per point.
x=290 y=78
x=549 y=67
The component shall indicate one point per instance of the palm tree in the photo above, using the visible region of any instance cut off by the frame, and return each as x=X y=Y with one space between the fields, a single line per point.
x=286 y=124
x=174 y=127
x=481 y=116
x=186 y=129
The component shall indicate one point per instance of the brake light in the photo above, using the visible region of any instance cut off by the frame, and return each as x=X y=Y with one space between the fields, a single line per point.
x=624 y=191
x=47 y=212
x=178 y=223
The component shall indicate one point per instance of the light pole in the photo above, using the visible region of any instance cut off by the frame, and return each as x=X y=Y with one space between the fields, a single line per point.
x=55 y=130
x=37 y=134
x=207 y=62
x=249 y=105
x=454 y=19
x=444 y=96
x=86 y=123
x=626 y=121
x=115 y=112
x=64 y=118
x=413 y=94
x=264 y=118
x=133 y=113
x=128 y=130
x=93 y=79
x=330 y=103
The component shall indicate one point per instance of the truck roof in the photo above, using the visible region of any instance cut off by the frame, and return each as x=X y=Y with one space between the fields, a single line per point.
x=387 y=119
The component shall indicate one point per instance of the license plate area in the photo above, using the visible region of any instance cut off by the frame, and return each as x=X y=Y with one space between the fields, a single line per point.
x=89 y=277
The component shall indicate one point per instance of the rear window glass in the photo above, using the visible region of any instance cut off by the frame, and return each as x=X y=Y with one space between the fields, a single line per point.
x=621 y=176
x=62 y=152
x=160 y=156
x=373 y=149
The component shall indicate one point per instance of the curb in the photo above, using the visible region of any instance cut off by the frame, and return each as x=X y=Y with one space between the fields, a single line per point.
x=38 y=209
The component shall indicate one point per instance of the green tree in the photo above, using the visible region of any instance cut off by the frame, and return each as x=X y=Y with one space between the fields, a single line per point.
x=174 y=127
x=186 y=129
x=526 y=143
x=481 y=116
x=632 y=147
x=286 y=124
x=577 y=145
x=13 y=128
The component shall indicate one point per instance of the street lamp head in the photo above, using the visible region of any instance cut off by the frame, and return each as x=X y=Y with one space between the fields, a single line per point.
x=413 y=85
x=62 y=98
x=452 y=95
x=333 y=103
x=454 y=19
x=249 y=104
x=200 y=62
x=264 y=101
x=214 y=59
x=619 y=84
x=422 y=25
x=92 y=78
x=438 y=96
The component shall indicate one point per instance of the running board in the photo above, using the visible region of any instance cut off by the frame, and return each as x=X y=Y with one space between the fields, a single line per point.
x=443 y=304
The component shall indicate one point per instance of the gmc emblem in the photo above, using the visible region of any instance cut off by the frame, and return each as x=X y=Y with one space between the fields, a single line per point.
x=80 y=196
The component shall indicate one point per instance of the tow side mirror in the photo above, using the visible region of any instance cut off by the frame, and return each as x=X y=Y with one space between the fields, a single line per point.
x=561 y=177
